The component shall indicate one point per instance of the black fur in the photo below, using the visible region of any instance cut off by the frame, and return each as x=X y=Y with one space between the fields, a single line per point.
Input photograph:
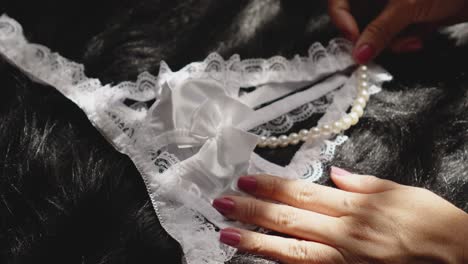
x=66 y=196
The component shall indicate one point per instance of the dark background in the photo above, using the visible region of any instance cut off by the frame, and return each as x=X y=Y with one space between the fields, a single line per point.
x=66 y=196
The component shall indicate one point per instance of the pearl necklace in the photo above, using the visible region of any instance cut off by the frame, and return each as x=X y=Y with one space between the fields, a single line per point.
x=337 y=127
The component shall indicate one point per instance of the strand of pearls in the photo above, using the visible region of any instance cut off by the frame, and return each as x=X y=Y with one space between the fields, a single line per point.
x=351 y=119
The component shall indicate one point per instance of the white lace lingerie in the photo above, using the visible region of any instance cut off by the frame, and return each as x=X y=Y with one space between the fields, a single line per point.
x=192 y=133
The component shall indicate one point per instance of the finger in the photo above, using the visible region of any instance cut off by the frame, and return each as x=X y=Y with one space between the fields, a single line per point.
x=361 y=183
x=299 y=193
x=379 y=33
x=340 y=14
x=281 y=218
x=286 y=250
x=413 y=38
x=407 y=44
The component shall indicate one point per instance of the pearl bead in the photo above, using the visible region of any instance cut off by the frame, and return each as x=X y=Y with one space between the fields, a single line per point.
x=294 y=136
x=361 y=102
x=263 y=142
x=295 y=142
x=363 y=85
x=283 y=141
x=347 y=122
x=364 y=94
x=358 y=110
x=326 y=130
x=338 y=126
x=304 y=133
x=294 y=139
x=351 y=119
x=354 y=118
x=273 y=142
x=315 y=132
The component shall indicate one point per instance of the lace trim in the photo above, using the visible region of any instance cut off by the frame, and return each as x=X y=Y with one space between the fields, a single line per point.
x=285 y=123
x=122 y=110
x=458 y=32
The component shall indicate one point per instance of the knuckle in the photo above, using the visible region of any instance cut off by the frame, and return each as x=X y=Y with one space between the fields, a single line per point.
x=351 y=203
x=420 y=11
x=286 y=218
x=420 y=14
x=358 y=233
x=359 y=230
x=250 y=210
x=305 y=194
x=299 y=251
x=378 y=32
x=257 y=244
x=365 y=205
x=302 y=252
x=371 y=207
x=271 y=186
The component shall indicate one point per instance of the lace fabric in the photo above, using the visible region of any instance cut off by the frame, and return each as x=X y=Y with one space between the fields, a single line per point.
x=458 y=32
x=187 y=131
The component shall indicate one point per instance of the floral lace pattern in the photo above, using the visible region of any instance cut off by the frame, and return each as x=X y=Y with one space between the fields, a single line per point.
x=134 y=117
x=285 y=123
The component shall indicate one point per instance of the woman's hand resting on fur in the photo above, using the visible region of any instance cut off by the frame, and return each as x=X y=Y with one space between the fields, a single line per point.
x=367 y=220
x=399 y=24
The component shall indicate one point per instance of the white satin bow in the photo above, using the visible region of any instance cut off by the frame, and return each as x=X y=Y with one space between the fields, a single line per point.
x=216 y=120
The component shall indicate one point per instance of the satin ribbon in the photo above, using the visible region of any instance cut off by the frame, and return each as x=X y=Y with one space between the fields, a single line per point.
x=216 y=121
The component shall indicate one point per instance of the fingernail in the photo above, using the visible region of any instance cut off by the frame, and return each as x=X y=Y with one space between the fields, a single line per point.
x=224 y=205
x=339 y=172
x=230 y=237
x=364 y=53
x=247 y=184
x=413 y=45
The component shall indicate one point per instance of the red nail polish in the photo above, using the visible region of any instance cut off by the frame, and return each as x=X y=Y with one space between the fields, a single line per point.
x=224 y=205
x=247 y=184
x=413 y=45
x=230 y=237
x=364 y=53
x=339 y=172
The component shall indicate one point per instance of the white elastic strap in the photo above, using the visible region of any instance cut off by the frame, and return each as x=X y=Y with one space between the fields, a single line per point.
x=269 y=92
x=288 y=104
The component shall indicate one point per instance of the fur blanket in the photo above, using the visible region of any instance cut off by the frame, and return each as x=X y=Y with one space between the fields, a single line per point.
x=66 y=196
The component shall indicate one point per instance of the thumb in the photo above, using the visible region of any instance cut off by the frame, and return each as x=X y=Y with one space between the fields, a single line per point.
x=360 y=183
x=379 y=33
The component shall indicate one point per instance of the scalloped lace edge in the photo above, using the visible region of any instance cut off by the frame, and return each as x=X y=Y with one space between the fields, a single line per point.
x=44 y=66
